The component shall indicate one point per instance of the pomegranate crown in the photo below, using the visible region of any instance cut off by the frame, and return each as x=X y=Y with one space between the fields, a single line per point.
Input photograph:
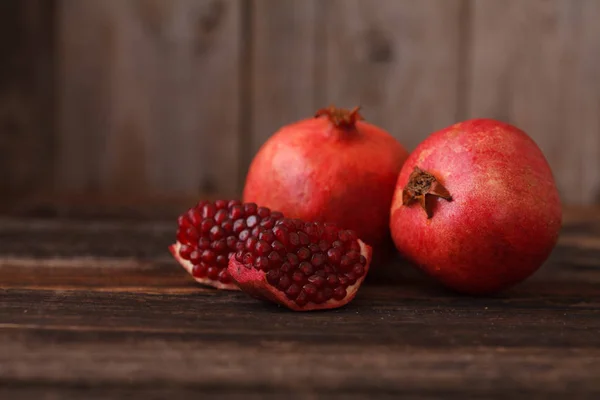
x=341 y=117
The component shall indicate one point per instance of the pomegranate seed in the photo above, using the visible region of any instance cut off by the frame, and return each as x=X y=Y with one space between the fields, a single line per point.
x=281 y=234
x=201 y=204
x=220 y=216
x=224 y=276
x=304 y=239
x=310 y=290
x=273 y=277
x=199 y=271
x=276 y=215
x=355 y=246
x=314 y=248
x=316 y=280
x=233 y=203
x=332 y=280
x=239 y=225
x=252 y=221
x=293 y=291
x=286 y=267
x=312 y=231
x=250 y=208
x=216 y=233
x=221 y=260
x=284 y=282
x=204 y=243
x=334 y=255
x=263 y=248
x=192 y=234
x=267 y=223
x=256 y=230
x=248 y=259
x=298 y=276
x=339 y=293
x=353 y=255
x=323 y=245
x=330 y=232
x=303 y=253
x=182 y=237
x=343 y=280
x=209 y=211
x=231 y=242
x=318 y=259
x=345 y=236
x=185 y=251
x=294 y=239
x=263 y=212
x=227 y=225
x=262 y=262
x=293 y=259
x=358 y=270
x=206 y=225
x=251 y=243
x=236 y=212
x=327 y=293
x=212 y=272
x=306 y=268
x=195 y=257
x=351 y=278
x=318 y=298
x=221 y=204
x=277 y=246
x=274 y=258
x=321 y=273
x=302 y=299
x=346 y=262
x=220 y=246
x=183 y=222
x=208 y=256
x=194 y=217
x=338 y=243
x=267 y=236
x=244 y=235
x=239 y=255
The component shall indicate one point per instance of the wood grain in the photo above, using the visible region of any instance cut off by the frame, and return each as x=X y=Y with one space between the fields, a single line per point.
x=149 y=99
x=535 y=64
x=399 y=60
x=286 y=66
x=99 y=309
x=26 y=100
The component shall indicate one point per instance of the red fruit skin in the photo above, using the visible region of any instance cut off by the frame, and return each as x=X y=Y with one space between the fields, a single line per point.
x=254 y=283
x=505 y=215
x=316 y=171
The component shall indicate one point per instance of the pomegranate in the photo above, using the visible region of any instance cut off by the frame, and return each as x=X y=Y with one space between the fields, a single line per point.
x=302 y=265
x=210 y=232
x=335 y=168
x=476 y=207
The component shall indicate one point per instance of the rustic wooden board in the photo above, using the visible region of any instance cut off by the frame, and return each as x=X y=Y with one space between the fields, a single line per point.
x=26 y=100
x=536 y=64
x=399 y=59
x=98 y=309
x=149 y=97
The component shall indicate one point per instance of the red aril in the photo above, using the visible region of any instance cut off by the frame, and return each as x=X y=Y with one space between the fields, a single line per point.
x=210 y=232
x=335 y=168
x=476 y=207
x=302 y=265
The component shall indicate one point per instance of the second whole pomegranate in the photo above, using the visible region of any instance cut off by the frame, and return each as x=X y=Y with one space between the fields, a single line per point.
x=334 y=167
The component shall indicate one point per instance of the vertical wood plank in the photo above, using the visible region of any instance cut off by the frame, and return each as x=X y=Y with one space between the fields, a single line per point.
x=535 y=64
x=150 y=97
x=284 y=65
x=398 y=59
x=26 y=99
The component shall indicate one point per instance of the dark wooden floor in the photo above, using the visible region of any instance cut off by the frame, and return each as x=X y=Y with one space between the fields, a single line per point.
x=99 y=310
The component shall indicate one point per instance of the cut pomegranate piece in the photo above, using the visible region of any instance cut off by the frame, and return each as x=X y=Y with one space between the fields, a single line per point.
x=210 y=232
x=302 y=265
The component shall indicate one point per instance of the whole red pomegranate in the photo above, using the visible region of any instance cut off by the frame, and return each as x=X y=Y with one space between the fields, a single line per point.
x=335 y=168
x=476 y=207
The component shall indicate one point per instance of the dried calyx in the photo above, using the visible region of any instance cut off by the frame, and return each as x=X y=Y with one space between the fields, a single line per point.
x=341 y=117
x=421 y=185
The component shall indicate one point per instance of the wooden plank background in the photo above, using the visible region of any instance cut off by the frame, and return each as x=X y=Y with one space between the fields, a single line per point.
x=117 y=103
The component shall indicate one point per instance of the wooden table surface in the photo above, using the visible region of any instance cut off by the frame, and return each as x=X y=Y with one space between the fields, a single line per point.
x=94 y=310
